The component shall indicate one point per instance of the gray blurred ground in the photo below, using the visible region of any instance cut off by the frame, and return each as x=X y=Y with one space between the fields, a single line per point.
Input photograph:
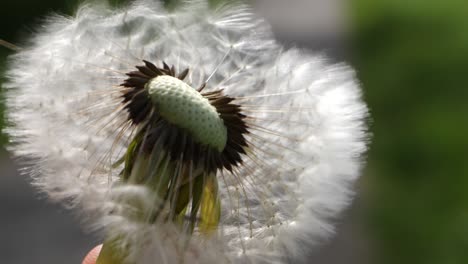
x=35 y=231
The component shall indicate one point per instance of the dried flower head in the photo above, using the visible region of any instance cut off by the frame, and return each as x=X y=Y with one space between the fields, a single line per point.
x=188 y=135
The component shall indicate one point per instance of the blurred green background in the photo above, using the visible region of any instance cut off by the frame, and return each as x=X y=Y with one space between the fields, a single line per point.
x=412 y=60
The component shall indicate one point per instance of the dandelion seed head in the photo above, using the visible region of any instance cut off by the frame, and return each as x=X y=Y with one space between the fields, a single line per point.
x=285 y=142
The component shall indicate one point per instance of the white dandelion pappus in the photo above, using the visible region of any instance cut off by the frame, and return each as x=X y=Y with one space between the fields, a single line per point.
x=294 y=131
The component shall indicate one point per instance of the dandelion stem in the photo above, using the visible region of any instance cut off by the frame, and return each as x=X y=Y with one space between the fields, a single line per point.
x=110 y=254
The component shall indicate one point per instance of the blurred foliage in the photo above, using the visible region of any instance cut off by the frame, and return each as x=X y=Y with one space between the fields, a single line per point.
x=412 y=58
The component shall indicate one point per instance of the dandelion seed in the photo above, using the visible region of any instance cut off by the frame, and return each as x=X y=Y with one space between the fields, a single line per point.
x=188 y=136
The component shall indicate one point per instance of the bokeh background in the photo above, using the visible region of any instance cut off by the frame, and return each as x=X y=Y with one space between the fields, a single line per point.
x=412 y=60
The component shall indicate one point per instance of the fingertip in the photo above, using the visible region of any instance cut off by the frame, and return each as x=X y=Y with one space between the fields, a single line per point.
x=92 y=255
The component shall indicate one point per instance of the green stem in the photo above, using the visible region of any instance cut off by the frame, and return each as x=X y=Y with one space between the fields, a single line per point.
x=111 y=254
x=171 y=183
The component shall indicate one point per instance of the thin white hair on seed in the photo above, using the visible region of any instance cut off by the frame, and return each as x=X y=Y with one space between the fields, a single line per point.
x=305 y=121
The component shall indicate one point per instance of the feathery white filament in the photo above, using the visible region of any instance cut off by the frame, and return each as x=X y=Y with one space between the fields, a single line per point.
x=305 y=117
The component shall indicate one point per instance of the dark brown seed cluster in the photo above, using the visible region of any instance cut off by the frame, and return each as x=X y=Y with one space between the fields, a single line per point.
x=156 y=132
